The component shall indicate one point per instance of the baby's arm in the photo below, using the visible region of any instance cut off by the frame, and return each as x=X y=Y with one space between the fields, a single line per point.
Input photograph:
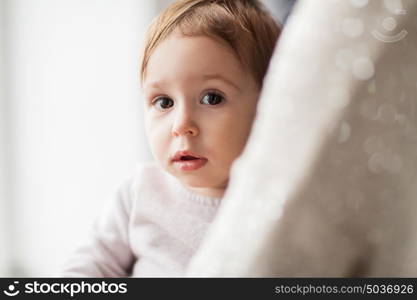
x=107 y=252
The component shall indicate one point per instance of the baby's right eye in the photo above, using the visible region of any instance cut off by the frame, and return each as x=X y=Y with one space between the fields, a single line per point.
x=163 y=103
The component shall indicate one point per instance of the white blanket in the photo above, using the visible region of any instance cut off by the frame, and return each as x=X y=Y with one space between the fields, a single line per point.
x=327 y=185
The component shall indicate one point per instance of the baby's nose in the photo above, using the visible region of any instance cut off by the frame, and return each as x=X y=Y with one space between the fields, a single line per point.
x=185 y=125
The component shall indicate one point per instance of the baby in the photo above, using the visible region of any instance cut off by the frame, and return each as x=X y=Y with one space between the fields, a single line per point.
x=201 y=74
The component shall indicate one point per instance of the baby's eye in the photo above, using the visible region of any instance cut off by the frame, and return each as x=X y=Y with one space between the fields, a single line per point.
x=212 y=99
x=163 y=103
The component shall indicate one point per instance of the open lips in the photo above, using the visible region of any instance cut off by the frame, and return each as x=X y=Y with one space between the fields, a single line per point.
x=186 y=155
x=187 y=161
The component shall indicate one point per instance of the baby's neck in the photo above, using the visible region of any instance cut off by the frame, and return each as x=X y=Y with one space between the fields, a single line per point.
x=210 y=192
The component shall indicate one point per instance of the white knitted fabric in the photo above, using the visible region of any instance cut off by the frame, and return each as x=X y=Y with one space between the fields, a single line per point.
x=150 y=228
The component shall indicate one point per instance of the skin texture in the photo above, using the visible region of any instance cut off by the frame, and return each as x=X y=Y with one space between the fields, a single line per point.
x=200 y=98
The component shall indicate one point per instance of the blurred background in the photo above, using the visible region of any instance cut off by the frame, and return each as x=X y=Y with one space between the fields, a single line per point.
x=70 y=120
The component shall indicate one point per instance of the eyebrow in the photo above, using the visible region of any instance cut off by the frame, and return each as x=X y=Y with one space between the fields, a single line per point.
x=155 y=84
x=222 y=78
x=159 y=84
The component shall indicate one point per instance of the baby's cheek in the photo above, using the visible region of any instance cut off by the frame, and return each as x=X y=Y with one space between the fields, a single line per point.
x=231 y=143
x=156 y=139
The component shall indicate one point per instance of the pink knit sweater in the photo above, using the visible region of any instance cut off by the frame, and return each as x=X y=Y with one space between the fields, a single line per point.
x=151 y=228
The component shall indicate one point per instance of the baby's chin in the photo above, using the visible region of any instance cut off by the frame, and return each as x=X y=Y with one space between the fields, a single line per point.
x=201 y=179
x=191 y=182
x=207 y=187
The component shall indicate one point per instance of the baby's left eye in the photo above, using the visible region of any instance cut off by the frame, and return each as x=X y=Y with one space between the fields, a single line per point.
x=212 y=99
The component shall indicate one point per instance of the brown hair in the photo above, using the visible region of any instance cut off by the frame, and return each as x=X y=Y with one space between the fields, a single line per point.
x=244 y=25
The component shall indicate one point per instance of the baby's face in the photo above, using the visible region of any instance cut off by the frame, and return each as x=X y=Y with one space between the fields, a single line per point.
x=199 y=99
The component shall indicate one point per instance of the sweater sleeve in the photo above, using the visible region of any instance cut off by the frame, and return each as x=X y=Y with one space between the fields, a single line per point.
x=107 y=251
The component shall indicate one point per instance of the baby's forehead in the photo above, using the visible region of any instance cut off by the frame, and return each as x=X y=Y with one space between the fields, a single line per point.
x=193 y=58
x=206 y=41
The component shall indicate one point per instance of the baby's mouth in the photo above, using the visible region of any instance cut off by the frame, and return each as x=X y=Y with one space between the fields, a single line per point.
x=188 y=161
x=186 y=155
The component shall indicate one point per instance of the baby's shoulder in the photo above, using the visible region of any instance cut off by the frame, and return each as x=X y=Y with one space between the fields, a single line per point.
x=147 y=185
x=148 y=171
x=145 y=175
